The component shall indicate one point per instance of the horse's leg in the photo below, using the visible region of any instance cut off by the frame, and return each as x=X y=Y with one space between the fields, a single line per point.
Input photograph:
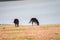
x=17 y=25
x=32 y=23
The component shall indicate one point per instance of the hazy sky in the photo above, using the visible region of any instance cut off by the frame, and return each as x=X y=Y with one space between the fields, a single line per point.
x=46 y=11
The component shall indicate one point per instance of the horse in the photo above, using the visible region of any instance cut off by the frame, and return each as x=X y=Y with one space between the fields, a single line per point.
x=34 y=20
x=16 y=22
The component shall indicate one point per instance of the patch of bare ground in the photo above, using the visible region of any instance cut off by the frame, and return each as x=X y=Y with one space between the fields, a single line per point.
x=28 y=32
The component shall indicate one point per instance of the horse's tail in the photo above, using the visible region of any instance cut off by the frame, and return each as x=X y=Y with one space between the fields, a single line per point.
x=30 y=21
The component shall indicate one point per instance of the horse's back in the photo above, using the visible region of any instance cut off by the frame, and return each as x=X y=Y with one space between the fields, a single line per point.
x=16 y=21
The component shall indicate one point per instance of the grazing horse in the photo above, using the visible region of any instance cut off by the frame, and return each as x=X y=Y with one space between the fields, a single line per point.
x=34 y=20
x=16 y=22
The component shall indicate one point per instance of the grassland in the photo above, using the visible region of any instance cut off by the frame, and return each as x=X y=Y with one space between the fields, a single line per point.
x=28 y=32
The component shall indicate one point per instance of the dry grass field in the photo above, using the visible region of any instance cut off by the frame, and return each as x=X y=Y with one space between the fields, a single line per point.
x=28 y=32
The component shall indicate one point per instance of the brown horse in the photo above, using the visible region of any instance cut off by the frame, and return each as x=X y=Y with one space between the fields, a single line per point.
x=16 y=22
x=34 y=20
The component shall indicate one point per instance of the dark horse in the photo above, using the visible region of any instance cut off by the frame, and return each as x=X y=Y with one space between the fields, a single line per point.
x=34 y=20
x=16 y=22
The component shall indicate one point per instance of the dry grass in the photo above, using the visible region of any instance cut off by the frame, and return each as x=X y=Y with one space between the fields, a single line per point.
x=28 y=32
